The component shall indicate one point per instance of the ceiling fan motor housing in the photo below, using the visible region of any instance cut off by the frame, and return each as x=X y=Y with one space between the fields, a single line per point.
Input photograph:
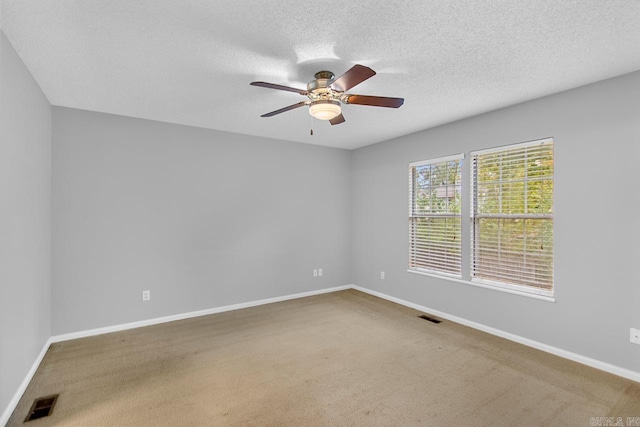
x=321 y=84
x=325 y=101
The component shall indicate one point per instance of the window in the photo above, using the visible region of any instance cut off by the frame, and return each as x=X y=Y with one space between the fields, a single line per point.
x=434 y=215
x=512 y=216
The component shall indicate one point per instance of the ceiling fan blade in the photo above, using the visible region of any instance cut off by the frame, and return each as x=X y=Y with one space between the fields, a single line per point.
x=376 y=101
x=279 y=87
x=337 y=120
x=354 y=76
x=282 y=110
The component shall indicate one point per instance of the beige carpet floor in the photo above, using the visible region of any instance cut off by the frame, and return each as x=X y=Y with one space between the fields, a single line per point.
x=340 y=359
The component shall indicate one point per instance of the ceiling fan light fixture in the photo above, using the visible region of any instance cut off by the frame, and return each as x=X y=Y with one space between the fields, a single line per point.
x=325 y=109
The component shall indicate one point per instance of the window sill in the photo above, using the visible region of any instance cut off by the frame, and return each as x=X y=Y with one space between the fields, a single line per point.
x=486 y=286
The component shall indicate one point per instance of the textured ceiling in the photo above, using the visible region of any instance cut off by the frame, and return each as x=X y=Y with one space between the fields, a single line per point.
x=190 y=62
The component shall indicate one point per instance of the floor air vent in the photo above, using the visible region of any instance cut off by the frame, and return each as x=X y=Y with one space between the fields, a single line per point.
x=42 y=407
x=430 y=319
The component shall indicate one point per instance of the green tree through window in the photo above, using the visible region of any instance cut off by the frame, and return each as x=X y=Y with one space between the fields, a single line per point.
x=512 y=226
x=511 y=232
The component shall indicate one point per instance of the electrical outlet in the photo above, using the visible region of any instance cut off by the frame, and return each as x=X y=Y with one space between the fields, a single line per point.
x=315 y=272
x=319 y=272
x=146 y=295
x=382 y=275
x=635 y=336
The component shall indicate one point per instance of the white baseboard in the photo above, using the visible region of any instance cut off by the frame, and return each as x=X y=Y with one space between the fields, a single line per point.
x=598 y=364
x=4 y=419
x=181 y=316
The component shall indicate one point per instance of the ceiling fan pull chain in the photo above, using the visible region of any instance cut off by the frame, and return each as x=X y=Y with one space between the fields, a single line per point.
x=311 y=125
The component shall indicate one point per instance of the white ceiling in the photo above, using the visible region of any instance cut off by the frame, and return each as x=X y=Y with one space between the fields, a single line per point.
x=191 y=62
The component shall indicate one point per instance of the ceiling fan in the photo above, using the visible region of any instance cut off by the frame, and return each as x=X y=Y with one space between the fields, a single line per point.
x=326 y=94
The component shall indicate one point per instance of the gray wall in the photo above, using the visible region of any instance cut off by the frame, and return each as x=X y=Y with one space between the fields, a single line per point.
x=25 y=228
x=596 y=130
x=201 y=218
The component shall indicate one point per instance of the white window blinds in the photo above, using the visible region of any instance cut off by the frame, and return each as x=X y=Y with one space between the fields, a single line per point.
x=512 y=216
x=434 y=215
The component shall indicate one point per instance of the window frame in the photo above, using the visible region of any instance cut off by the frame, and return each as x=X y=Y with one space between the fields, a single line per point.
x=519 y=288
x=467 y=229
x=412 y=215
